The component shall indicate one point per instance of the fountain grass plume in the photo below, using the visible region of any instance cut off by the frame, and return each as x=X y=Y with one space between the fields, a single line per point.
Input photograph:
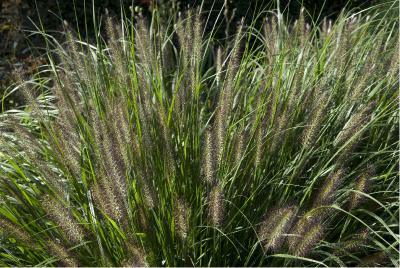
x=276 y=226
x=67 y=223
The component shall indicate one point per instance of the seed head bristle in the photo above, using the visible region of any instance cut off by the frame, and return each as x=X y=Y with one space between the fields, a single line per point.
x=271 y=38
x=326 y=193
x=13 y=230
x=353 y=126
x=62 y=254
x=239 y=148
x=350 y=245
x=220 y=131
x=356 y=242
x=148 y=192
x=106 y=197
x=308 y=219
x=66 y=105
x=145 y=114
x=142 y=219
x=123 y=134
x=197 y=51
x=27 y=93
x=308 y=240
x=181 y=216
x=216 y=208
x=115 y=171
x=208 y=165
x=326 y=28
x=359 y=89
x=234 y=59
x=51 y=178
x=71 y=44
x=301 y=28
x=275 y=226
x=218 y=66
x=114 y=202
x=362 y=185
x=64 y=219
x=259 y=146
x=279 y=133
x=63 y=142
x=143 y=44
x=116 y=50
x=135 y=257
x=28 y=142
x=314 y=122
x=226 y=94
x=374 y=260
x=394 y=62
x=98 y=195
x=184 y=30
x=197 y=37
x=64 y=137
x=78 y=65
x=166 y=137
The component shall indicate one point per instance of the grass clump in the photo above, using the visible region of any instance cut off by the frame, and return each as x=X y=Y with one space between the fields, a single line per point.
x=157 y=147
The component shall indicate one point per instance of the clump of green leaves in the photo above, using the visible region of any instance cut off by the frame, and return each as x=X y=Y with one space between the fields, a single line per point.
x=157 y=147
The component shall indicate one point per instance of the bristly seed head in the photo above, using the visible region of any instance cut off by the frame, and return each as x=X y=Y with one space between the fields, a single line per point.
x=303 y=225
x=362 y=185
x=208 y=165
x=353 y=126
x=315 y=120
x=275 y=227
x=216 y=207
x=356 y=242
x=62 y=254
x=307 y=240
x=64 y=219
x=181 y=217
x=326 y=193
x=239 y=148
x=135 y=255
x=15 y=231
x=374 y=260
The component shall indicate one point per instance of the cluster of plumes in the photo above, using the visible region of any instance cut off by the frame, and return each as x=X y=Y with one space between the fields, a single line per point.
x=110 y=191
x=116 y=143
x=214 y=146
x=224 y=106
x=302 y=232
x=285 y=229
x=189 y=32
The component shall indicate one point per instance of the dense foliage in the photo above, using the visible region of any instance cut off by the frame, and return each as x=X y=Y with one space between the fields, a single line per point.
x=158 y=148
